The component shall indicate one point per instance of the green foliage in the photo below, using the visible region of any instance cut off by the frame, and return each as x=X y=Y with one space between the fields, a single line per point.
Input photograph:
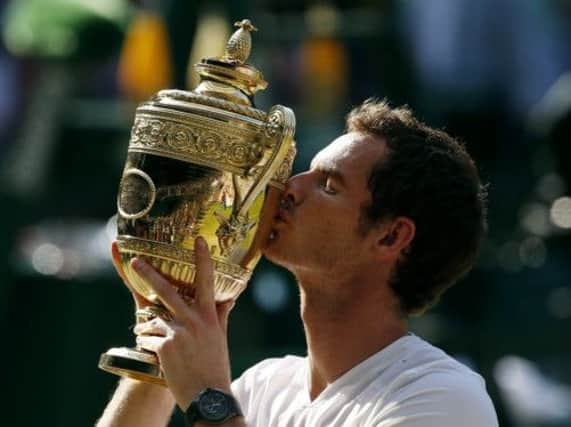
x=68 y=30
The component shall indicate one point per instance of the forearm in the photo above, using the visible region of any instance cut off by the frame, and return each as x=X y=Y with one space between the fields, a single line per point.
x=233 y=422
x=138 y=404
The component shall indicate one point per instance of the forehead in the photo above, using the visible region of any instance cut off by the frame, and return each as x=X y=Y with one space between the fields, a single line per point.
x=351 y=152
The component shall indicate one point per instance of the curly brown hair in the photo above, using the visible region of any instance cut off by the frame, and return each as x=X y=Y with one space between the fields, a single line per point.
x=429 y=177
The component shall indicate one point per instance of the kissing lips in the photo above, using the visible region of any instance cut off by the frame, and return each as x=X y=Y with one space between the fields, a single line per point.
x=281 y=218
x=279 y=222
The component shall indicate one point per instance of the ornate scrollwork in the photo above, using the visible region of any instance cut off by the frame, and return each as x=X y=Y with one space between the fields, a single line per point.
x=209 y=144
x=274 y=124
x=147 y=132
x=284 y=171
x=177 y=254
x=180 y=137
x=196 y=144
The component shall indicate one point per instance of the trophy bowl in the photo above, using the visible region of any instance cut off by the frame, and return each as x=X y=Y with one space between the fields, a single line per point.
x=200 y=163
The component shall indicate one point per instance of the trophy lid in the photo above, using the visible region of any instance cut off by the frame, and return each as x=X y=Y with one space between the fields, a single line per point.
x=229 y=76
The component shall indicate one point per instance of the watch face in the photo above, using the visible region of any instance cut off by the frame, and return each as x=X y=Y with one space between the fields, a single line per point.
x=214 y=405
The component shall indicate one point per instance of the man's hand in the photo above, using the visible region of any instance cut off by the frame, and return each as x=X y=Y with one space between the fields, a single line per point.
x=136 y=403
x=192 y=347
x=140 y=301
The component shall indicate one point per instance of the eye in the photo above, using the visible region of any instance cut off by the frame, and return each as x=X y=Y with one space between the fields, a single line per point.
x=327 y=186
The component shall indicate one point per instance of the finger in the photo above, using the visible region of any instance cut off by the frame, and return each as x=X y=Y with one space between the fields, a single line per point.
x=223 y=311
x=204 y=279
x=166 y=292
x=116 y=257
x=150 y=343
x=157 y=326
x=140 y=301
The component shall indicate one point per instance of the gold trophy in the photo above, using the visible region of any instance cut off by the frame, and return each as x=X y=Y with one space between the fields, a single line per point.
x=200 y=163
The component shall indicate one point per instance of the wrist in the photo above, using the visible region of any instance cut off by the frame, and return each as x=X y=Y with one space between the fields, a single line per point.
x=156 y=392
x=212 y=407
x=192 y=394
x=238 y=421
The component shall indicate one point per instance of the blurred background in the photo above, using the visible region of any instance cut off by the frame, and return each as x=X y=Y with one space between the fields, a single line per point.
x=496 y=73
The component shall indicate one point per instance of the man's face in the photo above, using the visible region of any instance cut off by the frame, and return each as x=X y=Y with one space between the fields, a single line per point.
x=316 y=229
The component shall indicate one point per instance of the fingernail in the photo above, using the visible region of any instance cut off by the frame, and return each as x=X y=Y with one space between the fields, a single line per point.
x=137 y=263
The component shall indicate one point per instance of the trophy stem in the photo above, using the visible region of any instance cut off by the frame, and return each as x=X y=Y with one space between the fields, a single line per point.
x=136 y=363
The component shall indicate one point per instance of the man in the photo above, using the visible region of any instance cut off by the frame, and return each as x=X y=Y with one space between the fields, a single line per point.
x=389 y=216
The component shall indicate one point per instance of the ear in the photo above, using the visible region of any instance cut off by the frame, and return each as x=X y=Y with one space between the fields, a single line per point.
x=395 y=237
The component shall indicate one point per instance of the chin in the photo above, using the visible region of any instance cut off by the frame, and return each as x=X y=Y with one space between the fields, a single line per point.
x=276 y=252
x=270 y=251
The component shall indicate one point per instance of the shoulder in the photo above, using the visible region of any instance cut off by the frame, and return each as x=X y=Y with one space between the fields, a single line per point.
x=445 y=398
x=434 y=389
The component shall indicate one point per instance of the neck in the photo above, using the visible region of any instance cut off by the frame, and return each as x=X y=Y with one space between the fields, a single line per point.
x=344 y=330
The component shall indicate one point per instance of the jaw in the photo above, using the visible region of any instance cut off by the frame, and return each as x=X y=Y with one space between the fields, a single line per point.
x=275 y=251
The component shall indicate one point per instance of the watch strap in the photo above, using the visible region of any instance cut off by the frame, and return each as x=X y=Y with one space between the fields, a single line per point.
x=191 y=414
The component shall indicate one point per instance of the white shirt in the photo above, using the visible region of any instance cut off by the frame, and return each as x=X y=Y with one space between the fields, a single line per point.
x=410 y=383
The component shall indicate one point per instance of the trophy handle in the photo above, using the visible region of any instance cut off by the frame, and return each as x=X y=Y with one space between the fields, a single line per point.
x=278 y=131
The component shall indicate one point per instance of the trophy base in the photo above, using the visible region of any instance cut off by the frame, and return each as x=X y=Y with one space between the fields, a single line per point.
x=132 y=363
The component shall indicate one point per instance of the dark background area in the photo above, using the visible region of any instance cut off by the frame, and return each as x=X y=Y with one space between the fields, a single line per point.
x=495 y=73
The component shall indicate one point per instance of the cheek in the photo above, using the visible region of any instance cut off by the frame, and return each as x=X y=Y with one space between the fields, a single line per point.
x=328 y=217
x=317 y=221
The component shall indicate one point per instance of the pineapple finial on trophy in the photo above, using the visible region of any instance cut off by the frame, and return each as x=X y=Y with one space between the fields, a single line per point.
x=239 y=45
x=228 y=76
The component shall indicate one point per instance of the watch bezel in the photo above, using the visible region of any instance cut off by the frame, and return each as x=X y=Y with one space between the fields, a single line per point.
x=198 y=411
x=204 y=400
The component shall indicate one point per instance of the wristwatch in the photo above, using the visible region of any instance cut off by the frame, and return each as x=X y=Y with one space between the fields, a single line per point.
x=212 y=406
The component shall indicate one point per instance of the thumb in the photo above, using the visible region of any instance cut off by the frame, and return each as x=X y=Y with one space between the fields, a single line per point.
x=140 y=302
x=223 y=311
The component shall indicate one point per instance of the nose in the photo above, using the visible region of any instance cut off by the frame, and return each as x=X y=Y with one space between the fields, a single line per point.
x=294 y=191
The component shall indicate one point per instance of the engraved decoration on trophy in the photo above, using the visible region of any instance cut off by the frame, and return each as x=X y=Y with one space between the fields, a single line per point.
x=200 y=163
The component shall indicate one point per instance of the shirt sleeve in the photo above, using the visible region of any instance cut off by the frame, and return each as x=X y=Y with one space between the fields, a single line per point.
x=440 y=399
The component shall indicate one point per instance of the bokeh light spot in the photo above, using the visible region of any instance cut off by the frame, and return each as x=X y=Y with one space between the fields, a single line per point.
x=560 y=212
x=535 y=219
x=270 y=291
x=47 y=259
x=533 y=252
